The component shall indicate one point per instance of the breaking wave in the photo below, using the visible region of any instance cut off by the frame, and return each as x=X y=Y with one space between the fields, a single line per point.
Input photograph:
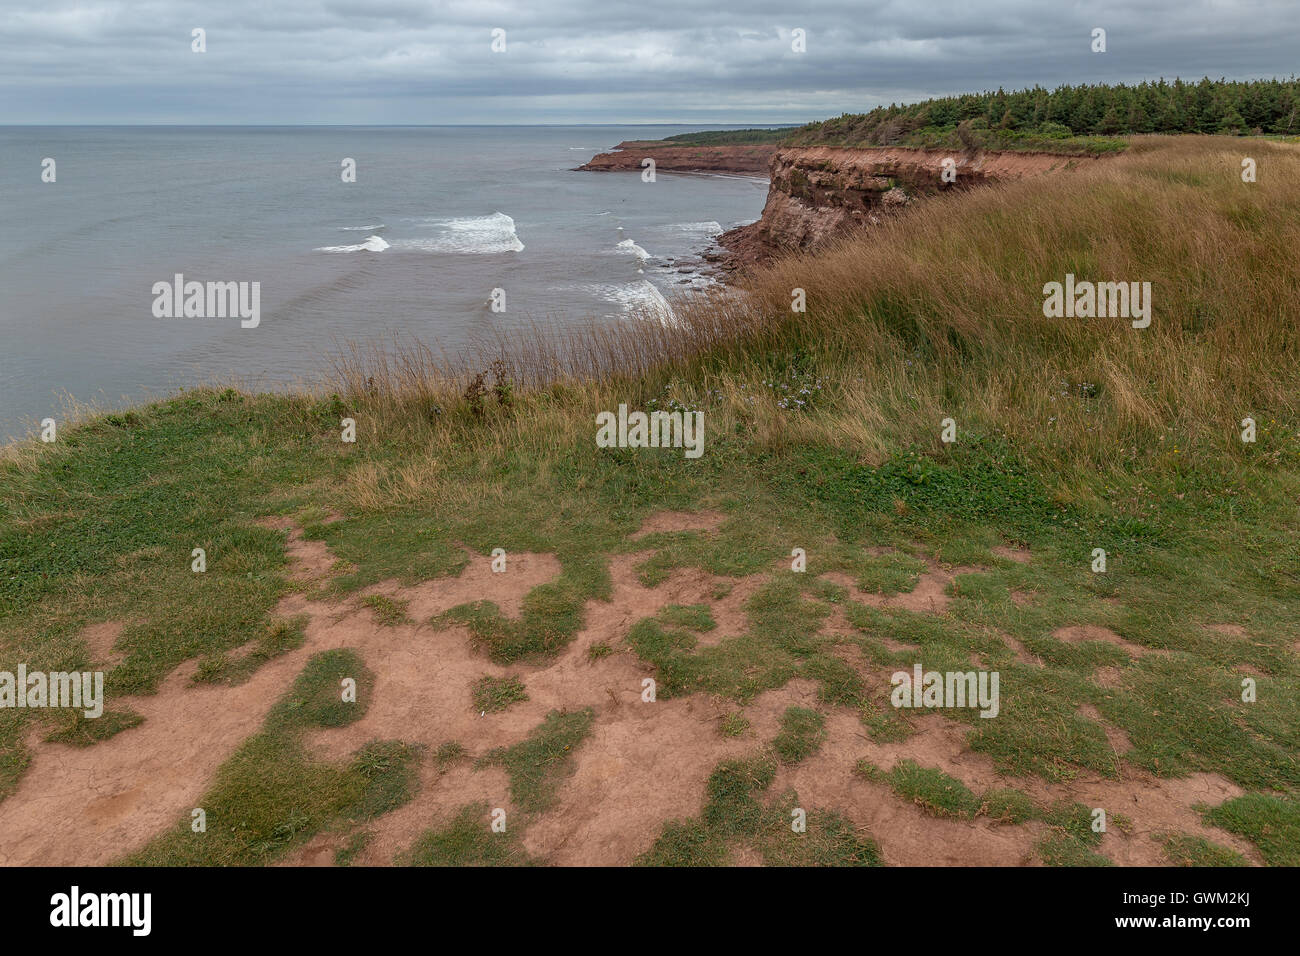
x=474 y=235
x=372 y=244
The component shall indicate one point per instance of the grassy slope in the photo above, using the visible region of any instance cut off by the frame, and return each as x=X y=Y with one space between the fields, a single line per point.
x=1074 y=434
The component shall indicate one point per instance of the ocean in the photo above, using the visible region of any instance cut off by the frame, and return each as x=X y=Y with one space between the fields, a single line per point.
x=437 y=218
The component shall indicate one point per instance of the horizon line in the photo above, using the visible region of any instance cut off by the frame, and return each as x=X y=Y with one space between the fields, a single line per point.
x=753 y=124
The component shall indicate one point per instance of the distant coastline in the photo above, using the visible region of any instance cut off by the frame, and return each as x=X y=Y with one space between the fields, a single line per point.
x=629 y=156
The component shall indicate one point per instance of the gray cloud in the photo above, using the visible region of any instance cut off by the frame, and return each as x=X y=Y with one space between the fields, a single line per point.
x=400 y=61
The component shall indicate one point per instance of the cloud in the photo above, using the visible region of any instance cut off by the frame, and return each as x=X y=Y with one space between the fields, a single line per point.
x=401 y=61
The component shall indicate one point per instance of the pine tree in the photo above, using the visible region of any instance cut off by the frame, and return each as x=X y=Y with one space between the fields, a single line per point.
x=1231 y=123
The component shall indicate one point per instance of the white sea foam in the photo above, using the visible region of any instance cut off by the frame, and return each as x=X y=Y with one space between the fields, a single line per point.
x=469 y=234
x=757 y=180
x=709 y=228
x=627 y=245
x=375 y=228
x=372 y=244
x=640 y=297
x=653 y=303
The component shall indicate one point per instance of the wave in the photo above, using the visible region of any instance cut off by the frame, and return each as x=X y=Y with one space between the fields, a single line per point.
x=627 y=245
x=638 y=298
x=375 y=228
x=372 y=244
x=757 y=180
x=710 y=228
x=476 y=235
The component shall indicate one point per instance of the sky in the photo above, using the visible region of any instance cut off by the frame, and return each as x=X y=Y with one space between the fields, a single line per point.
x=595 y=61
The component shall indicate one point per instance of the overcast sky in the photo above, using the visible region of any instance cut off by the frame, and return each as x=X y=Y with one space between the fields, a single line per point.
x=595 y=61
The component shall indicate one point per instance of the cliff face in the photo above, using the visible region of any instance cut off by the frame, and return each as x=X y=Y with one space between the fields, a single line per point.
x=819 y=193
x=741 y=160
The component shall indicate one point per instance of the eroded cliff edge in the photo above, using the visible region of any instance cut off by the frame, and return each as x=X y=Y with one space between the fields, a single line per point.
x=820 y=193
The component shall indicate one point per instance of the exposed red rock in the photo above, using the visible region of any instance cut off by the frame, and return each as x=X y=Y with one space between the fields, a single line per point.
x=820 y=193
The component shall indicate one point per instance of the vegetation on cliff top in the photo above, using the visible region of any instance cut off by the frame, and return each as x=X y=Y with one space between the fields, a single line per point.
x=1076 y=119
x=729 y=137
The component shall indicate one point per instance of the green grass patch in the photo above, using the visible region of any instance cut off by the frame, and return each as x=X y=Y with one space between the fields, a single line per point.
x=322 y=696
x=733 y=724
x=494 y=694
x=1182 y=849
x=692 y=617
x=802 y=733
x=734 y=818
x=930 y=789
x=552 y=614
x=271 y=797
x=77 y=729
x=1004 y=805
x=538 y=764
x=1062 y=850
x=280 y=637
x=1270 y=822
x=389 y=612
x=467 y=840
x=449 y=754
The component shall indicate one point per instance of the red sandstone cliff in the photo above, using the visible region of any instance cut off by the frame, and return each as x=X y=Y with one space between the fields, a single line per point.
x=819 y=193
x=741 y=160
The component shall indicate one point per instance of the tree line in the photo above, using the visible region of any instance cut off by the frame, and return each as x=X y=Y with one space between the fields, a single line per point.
x=1208 y=106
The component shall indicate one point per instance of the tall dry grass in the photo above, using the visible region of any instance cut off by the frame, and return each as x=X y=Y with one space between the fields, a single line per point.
x=938 y=313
